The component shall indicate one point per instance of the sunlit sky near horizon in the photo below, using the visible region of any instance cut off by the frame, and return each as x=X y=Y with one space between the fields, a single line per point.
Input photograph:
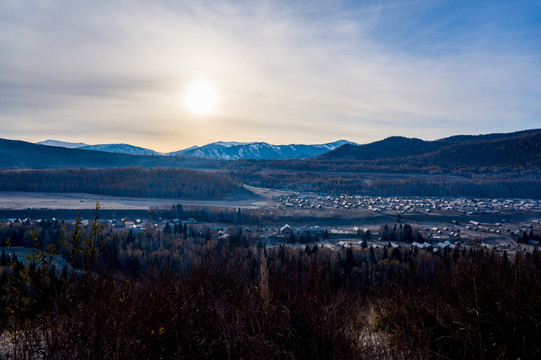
x=280 y=71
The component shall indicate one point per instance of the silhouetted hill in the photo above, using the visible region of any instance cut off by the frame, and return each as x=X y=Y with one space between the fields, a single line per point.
x=391 y=147
x=512 y=150
x=522 y=151
x=486 y=137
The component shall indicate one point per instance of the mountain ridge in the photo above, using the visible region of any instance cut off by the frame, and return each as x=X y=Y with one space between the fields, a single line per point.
x=120 y=148
x=508 y=152
x=58 y=143
x=394 y=147
x=258 y=150
x=220 y=150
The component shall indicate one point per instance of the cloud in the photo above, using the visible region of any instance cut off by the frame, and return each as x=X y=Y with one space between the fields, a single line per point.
x=284 y=72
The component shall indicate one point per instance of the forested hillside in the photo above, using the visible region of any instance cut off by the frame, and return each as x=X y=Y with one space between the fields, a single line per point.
x=392 y=147
x=515 y=150
x=132 y=182
x=523 y=152
x=186 y=294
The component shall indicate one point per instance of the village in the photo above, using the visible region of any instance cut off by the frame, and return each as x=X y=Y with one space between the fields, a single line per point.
x=410 y=205
x=353 y=220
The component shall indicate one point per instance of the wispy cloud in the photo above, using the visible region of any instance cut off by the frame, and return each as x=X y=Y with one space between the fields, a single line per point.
x=284 y=73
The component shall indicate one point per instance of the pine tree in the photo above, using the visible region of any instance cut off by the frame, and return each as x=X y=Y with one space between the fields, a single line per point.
x=396 y=254
x=367 y=235
x=372 y=255
x=350 y=261
x=3 y=258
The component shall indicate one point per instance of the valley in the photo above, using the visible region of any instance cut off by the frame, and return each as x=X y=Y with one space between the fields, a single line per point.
x=210 y=243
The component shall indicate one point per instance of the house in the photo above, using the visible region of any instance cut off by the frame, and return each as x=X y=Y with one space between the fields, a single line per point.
x=286 y=230
x=424 y=245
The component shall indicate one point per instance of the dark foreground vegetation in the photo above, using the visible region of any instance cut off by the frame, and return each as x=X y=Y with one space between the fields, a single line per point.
x=186 y=294
x=128 y=182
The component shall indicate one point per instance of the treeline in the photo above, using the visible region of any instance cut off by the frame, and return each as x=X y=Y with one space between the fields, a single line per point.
x=530 y=235
x=130 y=182
x=157 y=295
x=400 y=233
x=212 y=214
x=415 y=186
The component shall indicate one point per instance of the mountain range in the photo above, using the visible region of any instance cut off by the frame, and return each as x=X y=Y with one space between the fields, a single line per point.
x=218 y=150
x=111 y=148
x=259 y=150
x=508 y=152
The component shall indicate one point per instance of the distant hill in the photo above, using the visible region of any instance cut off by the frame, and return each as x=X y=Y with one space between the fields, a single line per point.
x=21 y=154
x=258 y=150
x=113 y=148
x=523 y=151
x=391 y=147
x=120 y=148
x=511 y=149
x=69 y=145
x=487 y=137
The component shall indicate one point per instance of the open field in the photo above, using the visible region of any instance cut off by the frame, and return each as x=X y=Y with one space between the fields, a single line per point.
x=78 y=201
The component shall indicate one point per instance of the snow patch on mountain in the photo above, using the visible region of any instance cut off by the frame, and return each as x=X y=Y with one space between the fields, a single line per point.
x=258 y=150
x=113 y=148
x=64 y=144
x=120 y=148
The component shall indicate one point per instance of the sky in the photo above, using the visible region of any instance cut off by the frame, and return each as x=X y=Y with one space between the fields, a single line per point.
x=282 y=72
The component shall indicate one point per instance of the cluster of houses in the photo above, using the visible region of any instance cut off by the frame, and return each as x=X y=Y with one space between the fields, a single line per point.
x=17 y=221
x=435 y=246
x=435 y=232
x=502 y=228
x=410 y=204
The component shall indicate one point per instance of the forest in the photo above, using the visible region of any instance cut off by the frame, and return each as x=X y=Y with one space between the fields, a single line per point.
x=187 y=294
x=127 y=182
x=196 y=184
x=374 y=185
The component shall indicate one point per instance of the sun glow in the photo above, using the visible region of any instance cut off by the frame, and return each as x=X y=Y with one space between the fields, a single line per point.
x=200 y=98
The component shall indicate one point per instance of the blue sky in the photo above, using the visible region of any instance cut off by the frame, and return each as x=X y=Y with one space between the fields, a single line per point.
x=283 y=71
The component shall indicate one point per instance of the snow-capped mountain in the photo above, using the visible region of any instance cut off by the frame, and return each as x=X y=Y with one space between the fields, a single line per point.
x=113 y=148
x=120 y=148
x=64 y=144
x=258 y=150
x=218 y=150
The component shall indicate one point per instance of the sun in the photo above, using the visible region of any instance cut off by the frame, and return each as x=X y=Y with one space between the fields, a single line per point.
x=200 y=98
